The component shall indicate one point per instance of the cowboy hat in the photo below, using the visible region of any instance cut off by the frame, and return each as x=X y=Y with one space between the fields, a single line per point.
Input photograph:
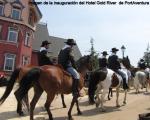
x=45 y=43
x=104 y=53
x=70 y=42
x=114 y=50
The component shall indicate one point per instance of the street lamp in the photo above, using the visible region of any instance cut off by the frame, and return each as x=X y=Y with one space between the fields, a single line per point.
x=123 y=50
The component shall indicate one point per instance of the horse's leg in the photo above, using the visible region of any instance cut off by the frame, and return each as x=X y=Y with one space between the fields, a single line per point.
x=63 y=102
x=50 y=97
x=78 y=109
x=74 y=99
x=110 y=93
x=103 y=99
x=125 y=97
x=146 y=85
x=26 y=102
x=117 y=97
x=37 y=93
x=97 y=101
x=19 y=106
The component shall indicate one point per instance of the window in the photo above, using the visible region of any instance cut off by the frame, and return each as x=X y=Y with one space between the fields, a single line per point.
x=9 y=62
x=16 y=14
x=27 y=39
x=1 y=9
x=12 y=35
x=25 y=60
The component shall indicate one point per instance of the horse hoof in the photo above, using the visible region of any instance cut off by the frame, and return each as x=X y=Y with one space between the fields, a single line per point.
x=118 y=106
x=91 y=102
x=97 y=105
x=64 y=106
x=79 y=113
x=103 y=110
x=124 y=103
x=108 y=98
x=70 y=118
x=21 y=113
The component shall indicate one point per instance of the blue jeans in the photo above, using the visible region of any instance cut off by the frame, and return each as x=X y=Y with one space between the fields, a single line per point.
x=73 y=72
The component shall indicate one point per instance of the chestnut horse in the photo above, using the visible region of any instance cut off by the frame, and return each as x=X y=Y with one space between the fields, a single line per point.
x=53 y=80
x=15 y=77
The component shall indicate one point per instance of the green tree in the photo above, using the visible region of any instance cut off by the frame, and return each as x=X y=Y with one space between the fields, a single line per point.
x=147 y=56
x=95 y=63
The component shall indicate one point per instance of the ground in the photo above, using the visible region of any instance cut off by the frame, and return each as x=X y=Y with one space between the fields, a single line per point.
x=136 y=104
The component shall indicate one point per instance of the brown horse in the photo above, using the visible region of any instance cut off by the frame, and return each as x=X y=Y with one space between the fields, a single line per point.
x=53 y=80
x=15 y=77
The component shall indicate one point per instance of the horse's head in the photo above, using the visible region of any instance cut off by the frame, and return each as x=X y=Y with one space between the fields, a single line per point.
x=85 y=62
x=126 y=62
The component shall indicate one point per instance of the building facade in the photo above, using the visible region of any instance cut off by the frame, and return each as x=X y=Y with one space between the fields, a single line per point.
x=18 y=20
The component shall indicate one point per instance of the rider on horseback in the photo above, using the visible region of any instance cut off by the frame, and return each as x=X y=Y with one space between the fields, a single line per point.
x=114 y=64
x=103 y=62
x=66 y=59
x=43 y=59
x=142 y=64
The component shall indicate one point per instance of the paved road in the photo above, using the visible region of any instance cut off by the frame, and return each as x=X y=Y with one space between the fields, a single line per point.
x=135 y=104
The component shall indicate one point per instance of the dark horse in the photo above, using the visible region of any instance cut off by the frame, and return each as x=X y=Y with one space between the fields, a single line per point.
x=98 y=75
x=53 y=80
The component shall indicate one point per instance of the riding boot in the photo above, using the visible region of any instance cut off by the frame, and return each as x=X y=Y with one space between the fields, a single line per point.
x=125 y=86
x=75 y=90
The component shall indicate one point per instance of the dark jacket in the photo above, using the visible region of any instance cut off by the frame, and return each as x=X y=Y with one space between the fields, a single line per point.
x=142 y=65
x=43 y=59
x=113 y=62
x=103 y=62
x=66 y=58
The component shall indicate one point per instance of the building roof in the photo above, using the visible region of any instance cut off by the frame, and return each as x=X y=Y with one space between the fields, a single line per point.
x=42 y=34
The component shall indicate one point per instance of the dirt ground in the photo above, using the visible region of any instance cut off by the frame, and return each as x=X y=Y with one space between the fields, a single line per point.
x=136 y=104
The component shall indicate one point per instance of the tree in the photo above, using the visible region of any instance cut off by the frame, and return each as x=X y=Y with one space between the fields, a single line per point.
x=147 y=56
x=95 y=63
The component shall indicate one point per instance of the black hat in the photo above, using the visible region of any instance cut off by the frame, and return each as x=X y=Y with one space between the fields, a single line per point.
x=45 y=43
x=141 y=60
x=114 y=50
x=70 y=42
x=104 y=53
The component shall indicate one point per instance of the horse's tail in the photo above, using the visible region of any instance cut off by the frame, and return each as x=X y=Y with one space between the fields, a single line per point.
x=10 y=85
x=26 y=82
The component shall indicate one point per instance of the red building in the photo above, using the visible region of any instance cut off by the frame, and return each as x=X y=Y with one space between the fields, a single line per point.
x=18 y=20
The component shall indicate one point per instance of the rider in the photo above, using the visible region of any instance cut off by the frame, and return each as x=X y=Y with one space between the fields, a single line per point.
x=142 y=64
x=114 y=64
x=43 y=59
x=66 y=59
x=103 y=62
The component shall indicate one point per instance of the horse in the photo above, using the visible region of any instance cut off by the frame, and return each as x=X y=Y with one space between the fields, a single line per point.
x=125 y=68
x=103 y=80
x=141 y=79
x=16 y=77
x=53 y=80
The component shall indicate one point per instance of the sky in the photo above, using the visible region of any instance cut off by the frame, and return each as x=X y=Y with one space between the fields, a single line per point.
x=109 y=25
